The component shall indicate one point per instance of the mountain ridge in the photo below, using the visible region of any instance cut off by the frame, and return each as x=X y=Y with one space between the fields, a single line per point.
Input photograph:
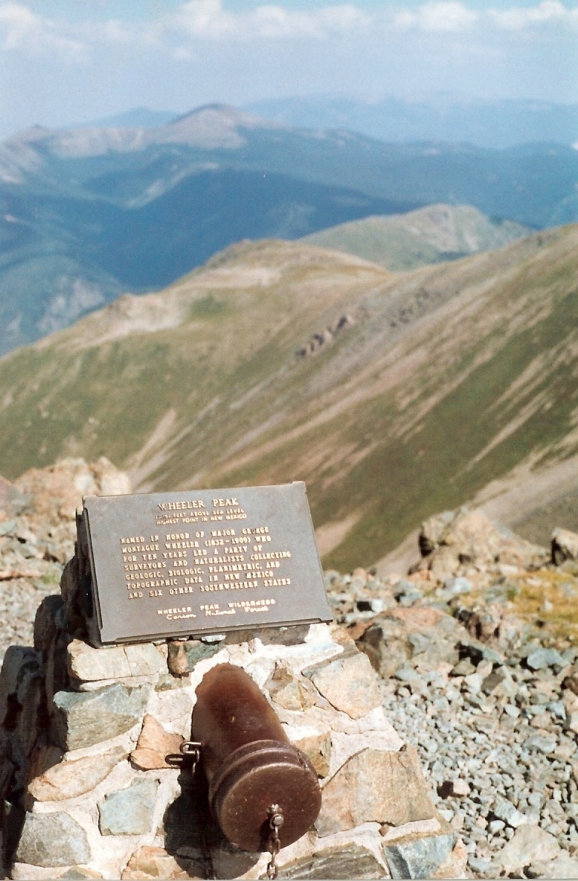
x=495 y=123
x=82 y=209
x=421 y=237
x=392 y=396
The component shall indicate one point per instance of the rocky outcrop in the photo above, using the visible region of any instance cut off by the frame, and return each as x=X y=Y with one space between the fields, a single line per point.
x=564 y=546
x=91 y=768
x=326 y=336
x=37 y=534
x=468 y=538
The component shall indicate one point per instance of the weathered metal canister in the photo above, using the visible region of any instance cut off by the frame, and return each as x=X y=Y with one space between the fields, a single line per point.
x=257 y=779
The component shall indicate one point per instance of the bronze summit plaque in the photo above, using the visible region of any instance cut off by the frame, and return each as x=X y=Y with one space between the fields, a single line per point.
x=204 y=561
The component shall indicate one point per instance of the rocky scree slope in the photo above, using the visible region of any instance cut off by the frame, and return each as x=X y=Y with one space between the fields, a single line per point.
x=477 y=646
x=392 y=396
x=37 y=535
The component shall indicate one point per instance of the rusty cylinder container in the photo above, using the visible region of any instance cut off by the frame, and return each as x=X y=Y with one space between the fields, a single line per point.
x=249 y=763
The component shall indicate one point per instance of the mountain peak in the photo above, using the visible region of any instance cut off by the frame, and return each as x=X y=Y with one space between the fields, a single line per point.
x=216 y=109
x=212 y=126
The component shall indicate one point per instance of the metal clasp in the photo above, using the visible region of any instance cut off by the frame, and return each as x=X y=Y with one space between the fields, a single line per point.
x=276 y=820
x=192 y=749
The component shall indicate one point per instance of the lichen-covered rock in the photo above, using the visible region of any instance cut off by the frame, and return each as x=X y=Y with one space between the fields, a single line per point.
x=185 y=654
x=52 y=840
x=337 y=861
x=83 y=719
x=129 y=811
x=289 y=693
x=316 y=745
x=419 y=857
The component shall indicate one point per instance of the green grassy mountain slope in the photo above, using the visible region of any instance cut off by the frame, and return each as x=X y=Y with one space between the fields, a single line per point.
x=421 y=237
x=392 y=396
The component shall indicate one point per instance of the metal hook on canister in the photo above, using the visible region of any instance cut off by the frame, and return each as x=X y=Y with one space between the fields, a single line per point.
x=258 y=781
x=276 y=820
x=191 y=750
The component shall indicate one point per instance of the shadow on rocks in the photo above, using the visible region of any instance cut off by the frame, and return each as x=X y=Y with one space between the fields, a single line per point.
x=193 y=837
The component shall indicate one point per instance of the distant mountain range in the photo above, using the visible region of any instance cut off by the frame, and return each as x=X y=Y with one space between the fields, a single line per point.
x=442 y=117
x=394 y=396
x=91 y=212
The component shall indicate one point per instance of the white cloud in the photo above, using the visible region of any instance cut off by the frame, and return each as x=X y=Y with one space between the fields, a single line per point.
x=521 y=17
x=22 y=30
x=203 y=18
x=437 y=17
x=179 y=29
x=274 y=21
x=116 y=31
x=210 y=20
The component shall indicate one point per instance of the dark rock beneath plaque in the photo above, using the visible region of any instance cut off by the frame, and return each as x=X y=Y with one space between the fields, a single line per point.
x=49 y=617
x=22 y=695
x=184 y=655
x=75 y=587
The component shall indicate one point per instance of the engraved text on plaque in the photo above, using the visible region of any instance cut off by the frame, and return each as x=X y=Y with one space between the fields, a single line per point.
x=204 y=561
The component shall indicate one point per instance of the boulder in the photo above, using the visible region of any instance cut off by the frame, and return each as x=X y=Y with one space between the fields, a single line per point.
x=467 y=537
x=564 y=546
x=530 y=844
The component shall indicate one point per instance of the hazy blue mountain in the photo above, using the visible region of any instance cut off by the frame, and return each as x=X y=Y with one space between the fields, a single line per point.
x=88 y=212
x=445 y=117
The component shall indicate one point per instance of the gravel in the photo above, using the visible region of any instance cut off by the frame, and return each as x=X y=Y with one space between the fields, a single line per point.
x=494 y=730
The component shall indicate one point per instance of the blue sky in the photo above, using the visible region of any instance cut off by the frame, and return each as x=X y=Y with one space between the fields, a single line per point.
x=68 y=61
